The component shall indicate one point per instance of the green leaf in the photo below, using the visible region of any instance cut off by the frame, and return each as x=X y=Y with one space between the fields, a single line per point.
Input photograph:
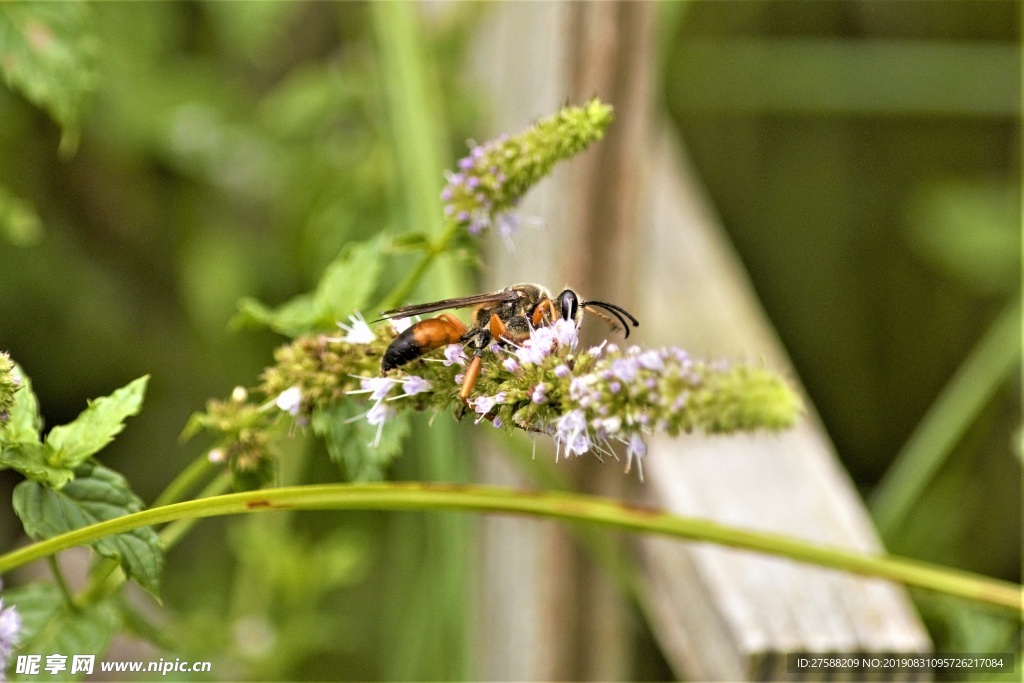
x=19 y=220
x=49 y=625
x=349 y=280
x=95 y=495
x=345 y=286
x=46 y=54
x=350 y=438
x=30 y=459
x=296 y=317
x=96 y=426
x=23 y=423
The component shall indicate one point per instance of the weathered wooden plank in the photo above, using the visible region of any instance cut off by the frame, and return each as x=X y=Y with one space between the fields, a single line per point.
x=789 y=483
x=718 y=614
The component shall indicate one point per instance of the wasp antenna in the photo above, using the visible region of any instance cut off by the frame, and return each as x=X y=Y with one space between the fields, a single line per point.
x=620 y=309
x=617 y=311
x=612 y=317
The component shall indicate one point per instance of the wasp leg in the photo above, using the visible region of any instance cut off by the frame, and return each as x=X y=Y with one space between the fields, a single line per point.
x=469 y=379
x=420 y=338
x=545 y=306
x=516 y=330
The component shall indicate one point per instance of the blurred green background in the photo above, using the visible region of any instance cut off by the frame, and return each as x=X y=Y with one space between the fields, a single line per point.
x=863 y=156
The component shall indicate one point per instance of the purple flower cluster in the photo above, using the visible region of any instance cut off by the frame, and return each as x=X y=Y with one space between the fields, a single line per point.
x=10 y=632
x=627 y=394
x=494 y=176
x=475 y=196
x=605 y=395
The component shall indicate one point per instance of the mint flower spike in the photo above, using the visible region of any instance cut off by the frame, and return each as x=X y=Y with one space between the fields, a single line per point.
x=494 y=176
x=604 y=395
x=588 y=400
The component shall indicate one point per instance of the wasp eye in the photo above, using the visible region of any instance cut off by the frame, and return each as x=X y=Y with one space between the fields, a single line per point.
x=568 y=304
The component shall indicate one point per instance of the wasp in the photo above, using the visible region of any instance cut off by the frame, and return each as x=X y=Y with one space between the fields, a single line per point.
x=506 y=316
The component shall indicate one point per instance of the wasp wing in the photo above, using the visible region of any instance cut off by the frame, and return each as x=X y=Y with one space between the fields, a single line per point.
x=458 y=302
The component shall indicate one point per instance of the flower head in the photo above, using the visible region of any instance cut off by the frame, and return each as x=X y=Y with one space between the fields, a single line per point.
x=10 y=633
x=494 y=176
x=572 y=432
x=454 y=354
x=400 y=325
x=290 y=400
x=413 y=385
x=358 y=332
x=377 y=387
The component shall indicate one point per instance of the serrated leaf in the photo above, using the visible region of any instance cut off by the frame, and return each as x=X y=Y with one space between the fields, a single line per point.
x=95 y=495
x=30 y=460
x=46 y=54
x=96 y=426
x=350 y=442
x=345 y=286
x=49 y=625
x=23 y=421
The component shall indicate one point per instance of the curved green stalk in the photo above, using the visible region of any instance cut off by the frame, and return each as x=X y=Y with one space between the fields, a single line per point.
x=989 y=365
x=572 y=507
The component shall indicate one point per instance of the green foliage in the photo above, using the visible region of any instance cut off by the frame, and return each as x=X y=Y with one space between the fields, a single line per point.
x=346 y=286
x=66 y=488
x=362 y=450
x=30 y=459
x=66 y=446
x=245 y=148
x=47 y=53
x=71 y=444
x=96 y=494
x=51 y=626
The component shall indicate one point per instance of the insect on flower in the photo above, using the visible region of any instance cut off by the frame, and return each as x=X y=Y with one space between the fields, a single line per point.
x=505 y=317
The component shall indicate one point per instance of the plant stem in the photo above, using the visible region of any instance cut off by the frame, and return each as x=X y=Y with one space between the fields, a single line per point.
x=185 y=481
x=400 y=294
x=58 y=577
x=549 y=504
x=985 y=369
x=173 y=532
